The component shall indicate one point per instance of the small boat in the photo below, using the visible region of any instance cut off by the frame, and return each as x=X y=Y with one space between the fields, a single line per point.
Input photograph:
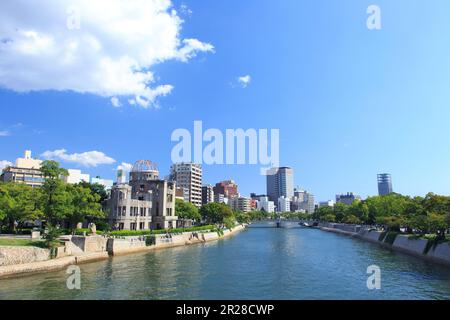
x=305 y=224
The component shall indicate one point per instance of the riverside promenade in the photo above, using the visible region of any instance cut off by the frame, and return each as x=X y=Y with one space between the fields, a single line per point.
x=87 y=249
x=409 y=244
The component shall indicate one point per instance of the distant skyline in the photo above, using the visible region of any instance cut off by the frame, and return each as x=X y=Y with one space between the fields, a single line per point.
x=349 y=102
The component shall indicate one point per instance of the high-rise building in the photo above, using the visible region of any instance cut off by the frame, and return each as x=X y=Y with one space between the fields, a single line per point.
x=26 y=170
x=189 y=176
x=207 y=194
x=384 y=184
x=280 y=183
x=228 y=188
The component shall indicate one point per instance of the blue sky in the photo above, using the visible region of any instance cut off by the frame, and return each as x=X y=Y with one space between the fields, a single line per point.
x=349 y=102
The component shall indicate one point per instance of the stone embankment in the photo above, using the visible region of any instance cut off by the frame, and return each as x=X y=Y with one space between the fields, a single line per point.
x=418 y=247
x=21 y=255
x=15 y=261
x=138 y=244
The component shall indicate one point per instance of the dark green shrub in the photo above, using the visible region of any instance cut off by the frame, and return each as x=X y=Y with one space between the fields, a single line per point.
x=150 y=241
x=129 y=233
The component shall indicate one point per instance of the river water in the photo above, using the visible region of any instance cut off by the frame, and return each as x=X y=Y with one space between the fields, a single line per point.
x=259 y=263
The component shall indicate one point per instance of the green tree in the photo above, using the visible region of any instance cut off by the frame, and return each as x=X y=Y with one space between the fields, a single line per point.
x=258 y=215
x=243 y=217
x=437 y=224
x=393 y=223
x=186 y=210
x=418 y=222
x=57 y=202
x=96 y=188
x=436 y=203
x=215 y=212
x=352 y=219
x=85 y=203
x=229 y=222
x=19 y=203
x=323 y=213
x=358 y=209
x=329 y=218
x=340 y=211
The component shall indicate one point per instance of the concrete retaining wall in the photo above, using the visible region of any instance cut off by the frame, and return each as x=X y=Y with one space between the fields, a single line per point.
x=372 y=235
x=134 y=244
x=90 y=244
x=402 y=243
x=440 y=253
x=21 y=255
x=405 y=243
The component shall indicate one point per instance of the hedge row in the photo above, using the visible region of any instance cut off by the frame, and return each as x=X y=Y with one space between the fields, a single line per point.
x=128 y=233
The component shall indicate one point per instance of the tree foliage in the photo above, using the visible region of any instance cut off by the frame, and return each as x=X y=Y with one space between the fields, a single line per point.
x=430 y=214
x=215 y=213
x=186 y=210
x=56 y=203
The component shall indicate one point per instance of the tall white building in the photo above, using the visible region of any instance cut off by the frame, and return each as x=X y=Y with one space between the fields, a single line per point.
x=189 y=176
x=265 y=205
x=284 y=204
x=76 y=176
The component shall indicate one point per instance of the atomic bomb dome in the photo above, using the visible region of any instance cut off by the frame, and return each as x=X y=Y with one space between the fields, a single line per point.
x=144 y=170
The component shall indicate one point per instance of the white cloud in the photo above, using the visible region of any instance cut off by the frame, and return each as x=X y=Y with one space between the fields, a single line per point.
x=115 y=102
x=244 y=81
x=125 y=167
x=184 y=9
x=4 y=164
x=87 y=159
x=4 y=133
x=102 y=47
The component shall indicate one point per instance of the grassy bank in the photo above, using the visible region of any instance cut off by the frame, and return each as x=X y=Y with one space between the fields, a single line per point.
x=21 y=243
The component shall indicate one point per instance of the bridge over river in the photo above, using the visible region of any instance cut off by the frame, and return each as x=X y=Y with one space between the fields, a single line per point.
x=278 y=223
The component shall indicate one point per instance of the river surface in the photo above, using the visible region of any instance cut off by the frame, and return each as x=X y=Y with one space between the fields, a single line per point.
x=259 y=263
